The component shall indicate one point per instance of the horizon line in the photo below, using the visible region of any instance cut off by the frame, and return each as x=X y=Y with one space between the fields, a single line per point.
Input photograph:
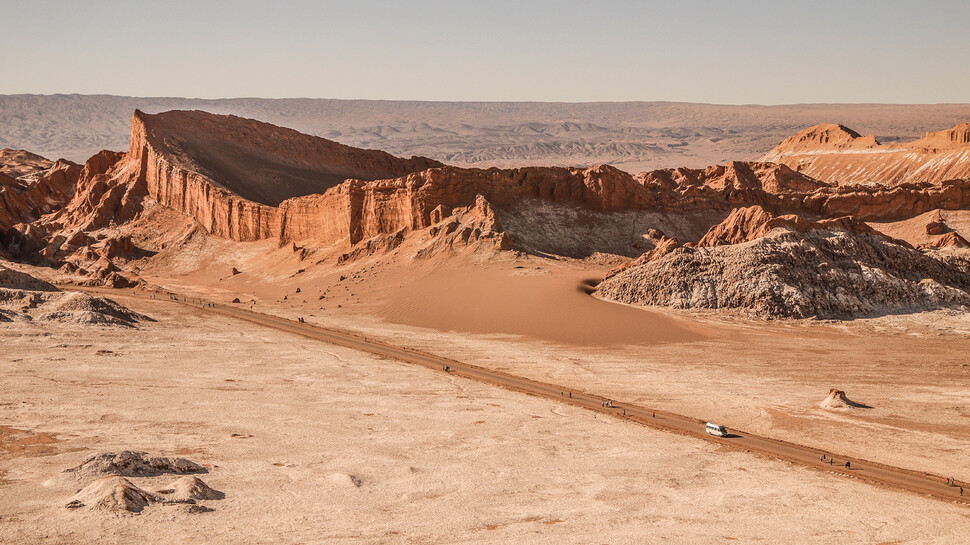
x=425 y=101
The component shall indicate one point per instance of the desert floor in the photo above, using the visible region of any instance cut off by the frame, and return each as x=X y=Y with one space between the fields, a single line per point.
x=315 y=443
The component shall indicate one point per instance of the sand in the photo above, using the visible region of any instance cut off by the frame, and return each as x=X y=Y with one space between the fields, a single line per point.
x=314 y=443
x=763 y=377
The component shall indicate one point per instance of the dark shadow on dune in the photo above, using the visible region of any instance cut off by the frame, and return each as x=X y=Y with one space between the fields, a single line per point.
x=588 y=285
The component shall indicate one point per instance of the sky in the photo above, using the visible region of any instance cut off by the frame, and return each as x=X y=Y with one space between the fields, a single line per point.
x=723 y=52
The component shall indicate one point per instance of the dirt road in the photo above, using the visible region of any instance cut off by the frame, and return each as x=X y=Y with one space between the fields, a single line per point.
x=873 y=472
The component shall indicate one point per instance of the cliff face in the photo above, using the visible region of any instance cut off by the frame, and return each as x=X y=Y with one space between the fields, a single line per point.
x=257 y=161
x=835 y=154
x=231 y=175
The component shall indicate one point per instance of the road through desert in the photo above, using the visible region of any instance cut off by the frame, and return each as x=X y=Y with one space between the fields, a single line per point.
x=935 y=486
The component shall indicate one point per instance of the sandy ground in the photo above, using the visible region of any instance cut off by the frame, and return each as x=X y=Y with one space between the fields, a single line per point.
x=288 y=426
x=533 y=317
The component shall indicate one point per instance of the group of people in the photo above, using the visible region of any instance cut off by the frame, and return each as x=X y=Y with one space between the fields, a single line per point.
x=831 y=461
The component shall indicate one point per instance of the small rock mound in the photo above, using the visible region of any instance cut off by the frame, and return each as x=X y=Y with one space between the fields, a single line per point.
x=112 y=493
x=77 y=307
x=936 y=227
x=837 y=400
x=132 y=464
x=951 y=240
x=189 y=489
x=344 y=480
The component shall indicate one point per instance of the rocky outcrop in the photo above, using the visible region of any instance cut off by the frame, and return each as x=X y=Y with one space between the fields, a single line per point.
x=22 y=164
x=797 y=269
x=824 y=137
x=246 y=181
x=189 y=489
x=836 y=154
x=936 y=226
x=957 y=137
x=131 y=464
x=838 y=400
x=25 y=202
x=230 y=174
x=754 y=222
x=112 y=493
x=745 y=224
x=948 y=240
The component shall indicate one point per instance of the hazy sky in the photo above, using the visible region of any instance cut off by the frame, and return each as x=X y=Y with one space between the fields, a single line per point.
x=732 y=52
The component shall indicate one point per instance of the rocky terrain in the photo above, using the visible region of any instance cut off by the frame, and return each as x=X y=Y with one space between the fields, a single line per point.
x=111 y=431
x=192 y=173
x=838 y=154
x=788 y=267
x=26 y=298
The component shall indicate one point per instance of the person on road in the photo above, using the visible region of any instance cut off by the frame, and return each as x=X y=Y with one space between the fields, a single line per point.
x=848 y=465
x=961 y=490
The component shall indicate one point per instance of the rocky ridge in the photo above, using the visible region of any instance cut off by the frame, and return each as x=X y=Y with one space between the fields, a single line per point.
x=769 y=266
x=247 y=181
x=836 y=154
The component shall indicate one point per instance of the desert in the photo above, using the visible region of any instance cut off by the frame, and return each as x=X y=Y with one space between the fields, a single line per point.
x=312 y=273
x=164 y=254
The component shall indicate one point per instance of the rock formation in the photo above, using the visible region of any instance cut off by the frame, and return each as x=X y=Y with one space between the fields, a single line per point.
x=131 y=464
x=784 y=267
x=838 y=400
x=22 y=163
x=189 y=489
x=25 y=297
x=247 y=181
x=112 y=493
x=836 y=154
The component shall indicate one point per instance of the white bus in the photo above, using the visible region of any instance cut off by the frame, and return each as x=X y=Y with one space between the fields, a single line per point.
x=715 y=429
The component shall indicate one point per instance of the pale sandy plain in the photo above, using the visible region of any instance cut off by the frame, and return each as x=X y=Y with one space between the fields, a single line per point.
x=532 y=317
x=290 y=427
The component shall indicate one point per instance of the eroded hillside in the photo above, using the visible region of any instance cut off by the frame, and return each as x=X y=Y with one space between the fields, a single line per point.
x=191 y=174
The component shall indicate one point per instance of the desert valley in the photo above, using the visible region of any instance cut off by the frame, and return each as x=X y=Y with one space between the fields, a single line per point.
x=236 y=332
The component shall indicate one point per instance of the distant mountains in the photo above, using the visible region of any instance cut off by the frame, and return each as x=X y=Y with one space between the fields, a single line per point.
x=633 y=136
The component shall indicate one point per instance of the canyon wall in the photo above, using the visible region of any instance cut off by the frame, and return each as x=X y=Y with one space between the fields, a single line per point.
x=357 y=209
x=203 y=165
